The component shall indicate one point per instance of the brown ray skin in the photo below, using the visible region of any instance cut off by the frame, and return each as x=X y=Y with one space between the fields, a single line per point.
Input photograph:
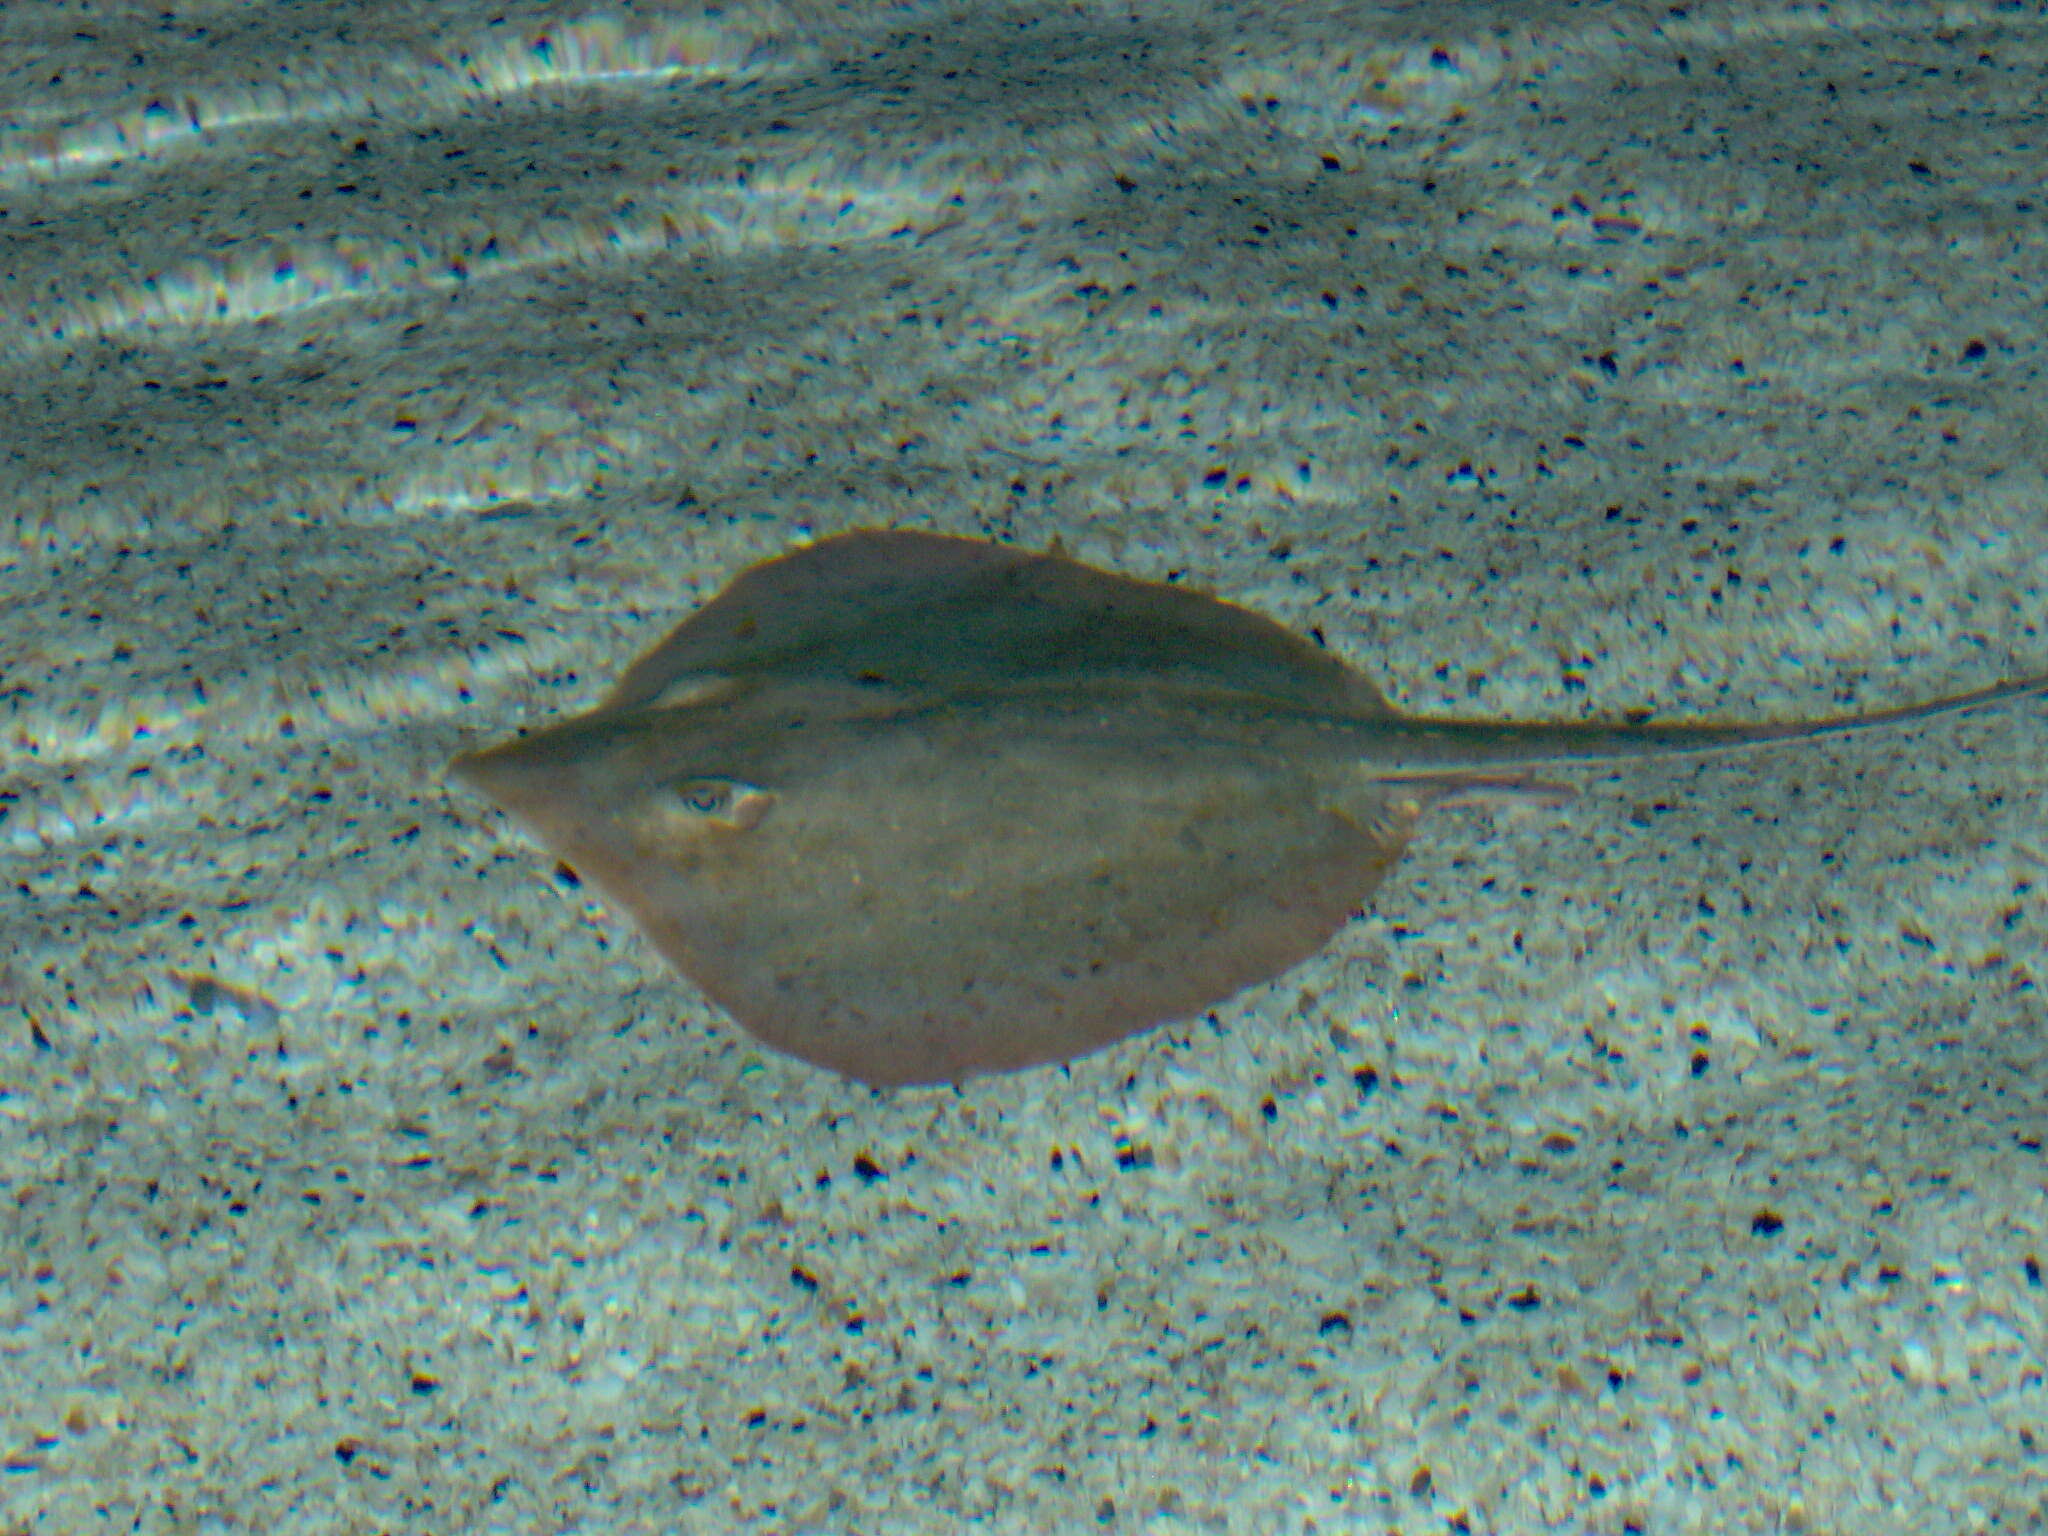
x=915 y=807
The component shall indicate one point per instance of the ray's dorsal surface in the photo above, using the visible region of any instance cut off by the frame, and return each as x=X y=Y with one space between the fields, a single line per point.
x=915 y=807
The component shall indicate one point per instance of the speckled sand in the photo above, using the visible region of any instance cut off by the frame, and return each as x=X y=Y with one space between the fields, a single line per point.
x=1670 y=1163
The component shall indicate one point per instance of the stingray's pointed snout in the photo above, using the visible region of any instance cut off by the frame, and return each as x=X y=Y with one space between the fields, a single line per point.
x=530 y=779
x=494 y=772
x=564 y=803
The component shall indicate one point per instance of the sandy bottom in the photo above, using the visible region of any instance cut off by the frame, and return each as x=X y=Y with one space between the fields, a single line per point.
x=1669 y=1162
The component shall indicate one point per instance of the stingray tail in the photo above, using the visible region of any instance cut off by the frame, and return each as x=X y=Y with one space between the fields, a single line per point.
x=1486 y=755
x=1487 y=791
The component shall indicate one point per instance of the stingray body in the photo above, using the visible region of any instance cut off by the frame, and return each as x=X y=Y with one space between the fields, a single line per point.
x=915 y=807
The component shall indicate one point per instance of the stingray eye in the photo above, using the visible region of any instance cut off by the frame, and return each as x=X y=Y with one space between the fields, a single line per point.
x=721 y=802
x=705 y=797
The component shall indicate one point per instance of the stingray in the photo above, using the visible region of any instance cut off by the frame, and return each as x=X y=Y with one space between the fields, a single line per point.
x=914 y=807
